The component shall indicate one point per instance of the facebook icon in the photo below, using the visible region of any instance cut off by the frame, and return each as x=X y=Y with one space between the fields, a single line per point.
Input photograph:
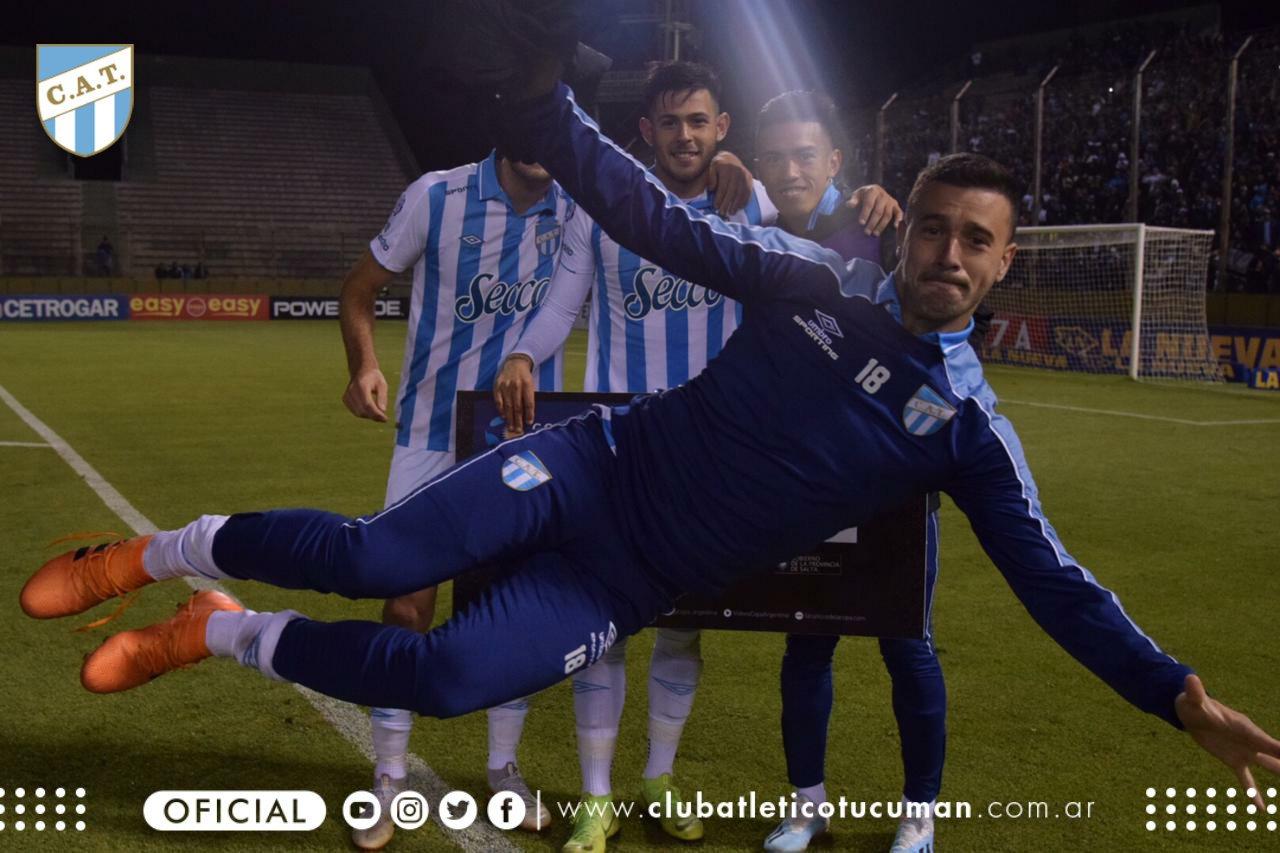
x=506 y=810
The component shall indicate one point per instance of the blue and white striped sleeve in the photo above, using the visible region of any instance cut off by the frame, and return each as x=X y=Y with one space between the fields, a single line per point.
x=575 y=269
x=635 y=209
x=999 y=497
x=404 y=238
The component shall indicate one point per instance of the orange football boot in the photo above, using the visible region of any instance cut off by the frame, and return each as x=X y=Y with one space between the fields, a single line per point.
x=77 y=580
x=133 y=658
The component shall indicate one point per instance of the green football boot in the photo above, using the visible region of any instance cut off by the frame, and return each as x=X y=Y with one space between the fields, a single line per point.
x=657 y=791
x=595 y=823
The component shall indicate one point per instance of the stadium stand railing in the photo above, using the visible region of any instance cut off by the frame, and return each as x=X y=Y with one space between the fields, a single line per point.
x=40 y=210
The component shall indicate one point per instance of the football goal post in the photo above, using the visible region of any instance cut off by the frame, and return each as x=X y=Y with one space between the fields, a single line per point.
x=1105 y=299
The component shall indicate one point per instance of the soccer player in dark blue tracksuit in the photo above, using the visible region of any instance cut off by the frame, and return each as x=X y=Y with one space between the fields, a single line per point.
x=798 y=160
x=832 y=401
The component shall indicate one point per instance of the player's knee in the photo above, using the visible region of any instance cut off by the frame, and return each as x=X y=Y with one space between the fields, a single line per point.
x=374 y=563
x=444 y=690
x=413 y=611
x=809 y=651
x=616 y=655
x=671 y=643
x=910 y=658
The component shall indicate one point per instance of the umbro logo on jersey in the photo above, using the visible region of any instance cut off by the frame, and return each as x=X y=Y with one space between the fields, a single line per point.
x=818 y=334
x=829 y=324
x=926 y=412
x=524 y=471
x=472 y=240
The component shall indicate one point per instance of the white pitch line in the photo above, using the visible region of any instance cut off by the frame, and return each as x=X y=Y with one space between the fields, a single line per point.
x=24 y=444
x=1182 y=421
x=350 y=723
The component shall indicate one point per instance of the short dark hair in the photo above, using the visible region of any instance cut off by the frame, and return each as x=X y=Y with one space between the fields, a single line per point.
x=798 y=105
x=680 y=78
x=970 y=171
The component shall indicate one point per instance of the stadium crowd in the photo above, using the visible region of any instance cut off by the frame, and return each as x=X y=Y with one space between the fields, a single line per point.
x=1087 y=130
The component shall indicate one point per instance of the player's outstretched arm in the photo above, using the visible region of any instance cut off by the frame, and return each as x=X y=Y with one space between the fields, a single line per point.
x=635 y=209
x=998 y=494
x=1227 y=735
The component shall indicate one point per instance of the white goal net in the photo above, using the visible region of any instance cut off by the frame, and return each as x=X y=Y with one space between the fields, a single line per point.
x=1105 y=299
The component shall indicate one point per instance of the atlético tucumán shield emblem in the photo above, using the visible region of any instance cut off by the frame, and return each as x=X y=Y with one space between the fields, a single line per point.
x=547 y=237
x=926 y=412
x=84 y=94
x=524 y=471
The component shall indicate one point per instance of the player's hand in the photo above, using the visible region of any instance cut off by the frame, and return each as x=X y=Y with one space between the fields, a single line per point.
x=513 y=392
x=731 y=182
x=366 y=395
x=876 y=209
x=1227 y=735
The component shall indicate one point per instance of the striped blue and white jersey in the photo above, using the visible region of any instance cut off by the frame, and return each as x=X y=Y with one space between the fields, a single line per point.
x=480 y=271
x=648 y=328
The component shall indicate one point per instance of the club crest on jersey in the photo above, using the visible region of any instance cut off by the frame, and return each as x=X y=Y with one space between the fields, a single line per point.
x=524 y=471
x=547 y=236
x=926 y=412
x=84 y=94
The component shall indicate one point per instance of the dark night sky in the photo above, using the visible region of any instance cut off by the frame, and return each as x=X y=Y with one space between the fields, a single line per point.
x=863 y=49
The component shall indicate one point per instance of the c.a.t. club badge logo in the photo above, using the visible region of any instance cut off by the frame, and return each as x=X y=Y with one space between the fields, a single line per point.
x=84 y=94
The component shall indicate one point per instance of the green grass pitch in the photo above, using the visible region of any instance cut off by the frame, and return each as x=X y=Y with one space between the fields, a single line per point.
x=1180 y=519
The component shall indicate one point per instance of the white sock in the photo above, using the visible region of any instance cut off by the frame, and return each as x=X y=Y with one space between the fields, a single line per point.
x=599 y=693
x=673 y=680
x=816 y=793
x=924 y=820
x=247 y=636
x=391 y=728
x=186 y=552
x=506 y=725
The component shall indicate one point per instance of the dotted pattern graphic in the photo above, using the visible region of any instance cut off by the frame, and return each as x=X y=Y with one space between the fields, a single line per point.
x=25 y=811
x=1206 y=810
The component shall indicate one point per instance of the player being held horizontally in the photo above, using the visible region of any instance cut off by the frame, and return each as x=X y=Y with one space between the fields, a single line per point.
x=482 y=241
x=648 y=329
x=790 y=435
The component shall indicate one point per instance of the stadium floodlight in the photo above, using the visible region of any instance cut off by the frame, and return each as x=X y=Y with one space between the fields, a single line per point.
x=1228 y=164
x=955 y=115
x=1126 y=298
x=1135 y=137
x=1036 y=198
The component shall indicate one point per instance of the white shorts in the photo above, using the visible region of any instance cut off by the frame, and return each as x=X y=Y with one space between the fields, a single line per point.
x=411 y=468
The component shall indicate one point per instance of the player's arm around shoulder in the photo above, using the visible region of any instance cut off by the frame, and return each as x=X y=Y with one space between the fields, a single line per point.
x=731 y=182
x=875 y=208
